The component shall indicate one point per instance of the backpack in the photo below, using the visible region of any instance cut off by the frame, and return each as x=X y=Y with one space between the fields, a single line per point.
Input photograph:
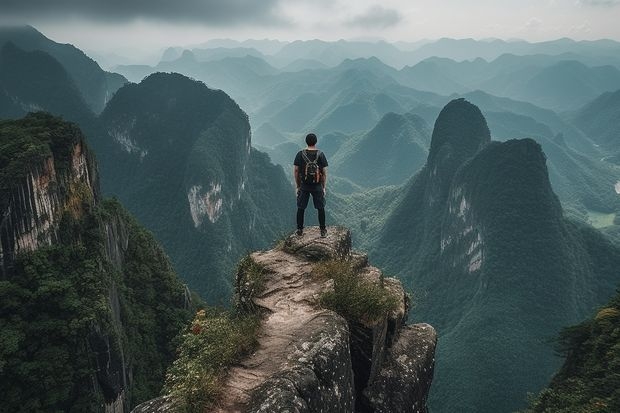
x=312 y=172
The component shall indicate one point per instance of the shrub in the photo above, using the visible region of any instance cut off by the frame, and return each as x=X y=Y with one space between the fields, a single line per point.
x=353 y=297
x=211 y=344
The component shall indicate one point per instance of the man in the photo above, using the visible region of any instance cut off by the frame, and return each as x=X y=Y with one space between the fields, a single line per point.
x=310 y=171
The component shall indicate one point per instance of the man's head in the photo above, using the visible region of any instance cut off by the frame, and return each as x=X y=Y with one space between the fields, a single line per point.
x=311 y=139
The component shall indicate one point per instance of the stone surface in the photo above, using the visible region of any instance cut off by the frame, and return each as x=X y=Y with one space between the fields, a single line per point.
x=405 y=378
x=299 y=342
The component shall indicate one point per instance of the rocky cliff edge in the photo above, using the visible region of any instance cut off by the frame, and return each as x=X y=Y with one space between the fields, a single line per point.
x=311 y=359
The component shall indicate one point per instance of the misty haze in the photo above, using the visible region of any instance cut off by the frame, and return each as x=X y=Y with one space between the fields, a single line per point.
x=272 y=206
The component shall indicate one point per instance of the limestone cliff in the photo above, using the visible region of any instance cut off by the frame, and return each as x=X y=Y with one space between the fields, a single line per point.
x=41 y=188
x=80 y=281
x=310 y=358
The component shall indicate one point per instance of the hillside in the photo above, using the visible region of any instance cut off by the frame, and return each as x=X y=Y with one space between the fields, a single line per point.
x=89 y=303
x=178 y=155
x=479 y=233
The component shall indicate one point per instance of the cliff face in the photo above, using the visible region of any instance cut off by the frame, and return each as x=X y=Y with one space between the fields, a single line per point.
x=80 y=281
x=312 y=359
x=42 y=188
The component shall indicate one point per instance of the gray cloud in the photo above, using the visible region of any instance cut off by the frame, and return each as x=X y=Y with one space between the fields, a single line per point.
x=377 y=17
x=595 y=3
x=208 y=12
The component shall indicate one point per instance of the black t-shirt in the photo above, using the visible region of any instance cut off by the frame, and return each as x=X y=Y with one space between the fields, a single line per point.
x=311 y=154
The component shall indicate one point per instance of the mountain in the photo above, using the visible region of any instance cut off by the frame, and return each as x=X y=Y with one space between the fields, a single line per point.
x=389 y=154
x=267 y=135
x=565 y=85
x=220 y=53
x=239 y=75
x=558 y=82
x=469 y=49
x=89 y=303
x=599 y=120
x=35 y=81
x=481 y=236
x=96 y=85
x=178 y=155
x=588 y=380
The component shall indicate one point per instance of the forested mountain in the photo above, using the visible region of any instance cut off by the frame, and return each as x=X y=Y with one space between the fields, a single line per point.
x=178 y=155
x=95 y=85
x=89 y=303
x=481 y=234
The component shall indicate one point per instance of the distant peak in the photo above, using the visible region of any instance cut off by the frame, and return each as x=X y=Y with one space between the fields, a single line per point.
x=460 y=129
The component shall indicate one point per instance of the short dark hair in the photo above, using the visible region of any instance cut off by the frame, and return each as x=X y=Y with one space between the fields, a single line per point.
x=311 y=139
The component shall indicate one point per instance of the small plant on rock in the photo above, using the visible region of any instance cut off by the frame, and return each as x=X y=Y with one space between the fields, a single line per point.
x=354 y=297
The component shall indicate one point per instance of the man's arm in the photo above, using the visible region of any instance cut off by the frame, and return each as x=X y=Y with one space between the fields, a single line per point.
x=324 y=180
x=297 y=178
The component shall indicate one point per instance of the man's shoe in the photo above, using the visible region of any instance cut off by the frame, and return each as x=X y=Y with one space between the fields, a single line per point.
x=323 y=232
x=299 y=232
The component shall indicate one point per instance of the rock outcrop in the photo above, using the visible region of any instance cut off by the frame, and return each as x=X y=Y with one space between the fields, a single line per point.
x=311 y=359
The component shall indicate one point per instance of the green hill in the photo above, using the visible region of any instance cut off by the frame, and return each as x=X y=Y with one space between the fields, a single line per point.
x=389 y=154
x=480 y=233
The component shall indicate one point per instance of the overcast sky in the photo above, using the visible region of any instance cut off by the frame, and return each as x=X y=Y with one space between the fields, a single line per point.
x=121 y=25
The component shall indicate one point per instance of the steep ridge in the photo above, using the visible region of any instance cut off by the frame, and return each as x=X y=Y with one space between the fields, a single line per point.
x=311 y=359
x=480 y=234
x=178 y=155
x=89 y=303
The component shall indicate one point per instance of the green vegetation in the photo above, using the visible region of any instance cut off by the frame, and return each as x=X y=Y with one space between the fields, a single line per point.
x=589 y=380
x=214 y=341
x=211 y=344
x=354 y=297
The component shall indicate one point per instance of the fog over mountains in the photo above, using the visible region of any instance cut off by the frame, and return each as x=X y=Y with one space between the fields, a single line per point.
x=484 y=174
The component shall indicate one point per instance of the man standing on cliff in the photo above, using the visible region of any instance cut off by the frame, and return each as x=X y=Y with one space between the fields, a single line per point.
x=310 y=172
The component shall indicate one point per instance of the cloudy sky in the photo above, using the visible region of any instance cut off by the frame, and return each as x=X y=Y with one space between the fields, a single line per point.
x=123 y=25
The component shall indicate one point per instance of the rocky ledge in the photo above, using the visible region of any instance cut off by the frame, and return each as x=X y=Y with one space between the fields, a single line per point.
x=311 y=359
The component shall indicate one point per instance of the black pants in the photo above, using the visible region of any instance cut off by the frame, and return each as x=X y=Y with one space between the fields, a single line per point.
x=318 y=199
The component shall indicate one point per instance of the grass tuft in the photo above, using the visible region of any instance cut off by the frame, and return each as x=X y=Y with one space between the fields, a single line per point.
x=354 y=297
